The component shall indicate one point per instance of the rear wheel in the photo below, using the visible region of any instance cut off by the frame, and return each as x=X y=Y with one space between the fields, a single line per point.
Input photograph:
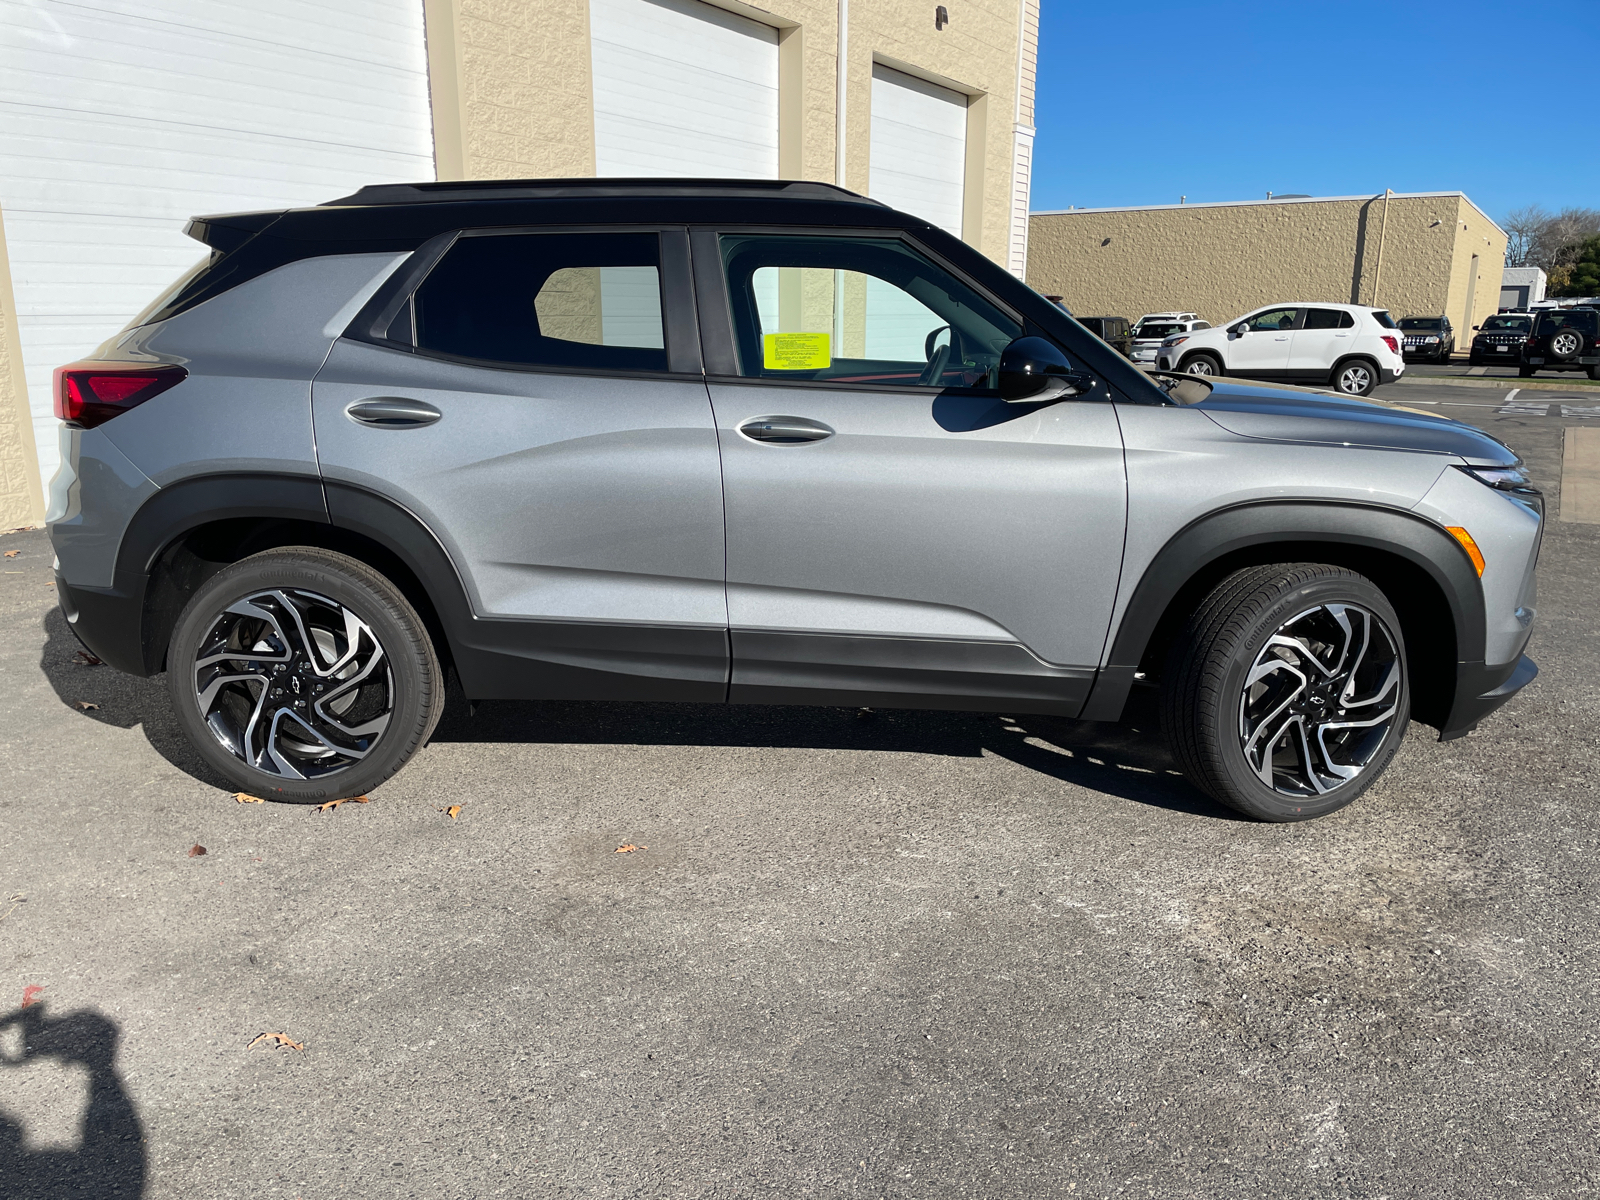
x=1358 y=377
x=1526 y=372
x=1594 y=372
x=1287 y=695
x=1202 y=364
x=304 y=675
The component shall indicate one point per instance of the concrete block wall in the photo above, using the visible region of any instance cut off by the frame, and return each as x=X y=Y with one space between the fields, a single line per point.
x=21 y=496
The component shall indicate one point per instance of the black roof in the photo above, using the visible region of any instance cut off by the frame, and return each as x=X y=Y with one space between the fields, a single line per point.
x=560 y=189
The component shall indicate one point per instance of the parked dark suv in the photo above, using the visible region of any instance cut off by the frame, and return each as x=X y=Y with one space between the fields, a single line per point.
x=755 y=443
x=1116 y=332
x=1563 y=339
x=1499 y=339
x=1427 y=339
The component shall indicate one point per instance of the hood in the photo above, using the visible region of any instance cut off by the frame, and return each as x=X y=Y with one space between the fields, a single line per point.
x=1302 y=416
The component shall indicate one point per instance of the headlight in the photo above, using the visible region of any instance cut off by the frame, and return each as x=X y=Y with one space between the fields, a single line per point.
x=1430 y=339
x=1513 y=481
x=1171 y=342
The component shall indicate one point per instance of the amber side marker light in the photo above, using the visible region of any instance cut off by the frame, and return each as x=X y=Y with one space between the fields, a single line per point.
x=1470 y=546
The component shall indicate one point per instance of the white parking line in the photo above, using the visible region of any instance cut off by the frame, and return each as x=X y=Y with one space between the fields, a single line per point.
x=1512 y=407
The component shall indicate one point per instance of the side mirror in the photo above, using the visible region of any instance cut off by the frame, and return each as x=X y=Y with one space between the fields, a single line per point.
x=1475 y=328
x=1034 y=371
x=1242 y=328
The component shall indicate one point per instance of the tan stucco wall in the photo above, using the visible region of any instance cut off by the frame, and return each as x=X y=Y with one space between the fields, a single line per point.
x=21 y=498
x=1221 y=261
x=512 y=88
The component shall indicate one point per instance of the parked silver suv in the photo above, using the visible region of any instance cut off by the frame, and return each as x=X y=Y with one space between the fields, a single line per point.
x=747 y=442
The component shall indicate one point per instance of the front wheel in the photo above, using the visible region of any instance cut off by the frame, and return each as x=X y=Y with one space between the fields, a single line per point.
x=304 y=675
x=1202 y=364
x=1286 y=695
x=1356 y=378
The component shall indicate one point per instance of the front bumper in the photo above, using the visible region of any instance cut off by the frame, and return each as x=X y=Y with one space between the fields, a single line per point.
x=1480 y=690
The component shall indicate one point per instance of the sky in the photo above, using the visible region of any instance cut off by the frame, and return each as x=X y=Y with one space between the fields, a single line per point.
x=1228 y=101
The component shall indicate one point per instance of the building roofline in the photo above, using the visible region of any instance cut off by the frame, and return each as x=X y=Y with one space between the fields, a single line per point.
x=1073 y=212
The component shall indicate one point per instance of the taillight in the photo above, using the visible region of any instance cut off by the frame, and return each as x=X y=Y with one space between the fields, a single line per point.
x=1391 y=342
x=1532 y=341
x=89 y=394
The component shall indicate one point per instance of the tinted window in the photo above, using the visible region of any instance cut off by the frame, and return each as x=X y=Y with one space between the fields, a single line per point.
x=1274 y=318
x=1582 y=320
x=1152 y=329
x=1514 y=324
x=1202 y=325
x=1382 y=318
x=1326 y=318
x=858 y=310
x=1429 y=324
x=560 y=300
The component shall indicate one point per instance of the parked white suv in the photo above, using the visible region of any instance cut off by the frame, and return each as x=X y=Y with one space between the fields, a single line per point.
x=1350 y=347
x=1154 y=328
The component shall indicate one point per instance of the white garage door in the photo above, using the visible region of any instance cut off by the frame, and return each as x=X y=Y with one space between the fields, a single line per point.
x=682 y=88
x=919 y=147
x=121 y=119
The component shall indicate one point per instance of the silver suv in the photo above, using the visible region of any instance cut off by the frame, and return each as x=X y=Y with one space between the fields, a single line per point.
x=756 y=443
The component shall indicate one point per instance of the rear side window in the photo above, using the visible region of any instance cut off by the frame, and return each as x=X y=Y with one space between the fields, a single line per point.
x=1383 y=318
x=1327 y=318
x=589 y=300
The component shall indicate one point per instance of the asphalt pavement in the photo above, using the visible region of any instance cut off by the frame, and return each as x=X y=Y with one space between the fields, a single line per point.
x=720 y=952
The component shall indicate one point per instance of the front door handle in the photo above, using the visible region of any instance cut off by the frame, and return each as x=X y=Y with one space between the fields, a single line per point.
x=392 y=412
x=791 y=430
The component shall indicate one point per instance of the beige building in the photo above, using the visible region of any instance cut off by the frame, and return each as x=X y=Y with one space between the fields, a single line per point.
x=924 y=105
x=1422 y=254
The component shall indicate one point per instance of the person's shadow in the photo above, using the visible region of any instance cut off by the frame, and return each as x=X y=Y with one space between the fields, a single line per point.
x=110 y=1159
x=1128 y=760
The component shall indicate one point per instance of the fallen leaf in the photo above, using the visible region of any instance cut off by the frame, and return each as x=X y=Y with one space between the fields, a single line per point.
x=12 y=553
x=452 y=812
x=86 y=705
x=277 y=1041
x=84 y=659
x=30 y=995
x=629 y=849
x=196 y=850
x=333 y=804
x=247 y=798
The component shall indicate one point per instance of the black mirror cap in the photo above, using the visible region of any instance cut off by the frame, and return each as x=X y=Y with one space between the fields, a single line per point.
x=1027 y=365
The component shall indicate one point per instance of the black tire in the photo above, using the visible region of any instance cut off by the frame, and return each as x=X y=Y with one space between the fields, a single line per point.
x=1445 y=355
x=1594 y=372
x=276 y=631
x=1526 y=372
x=1209 y=714
x=1355 y=377
x=1202 y=364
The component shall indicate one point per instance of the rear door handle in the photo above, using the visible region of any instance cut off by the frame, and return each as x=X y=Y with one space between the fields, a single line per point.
x=392 y=412
x=785 y=429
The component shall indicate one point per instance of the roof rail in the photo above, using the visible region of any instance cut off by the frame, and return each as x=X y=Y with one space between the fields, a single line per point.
x=561 y=189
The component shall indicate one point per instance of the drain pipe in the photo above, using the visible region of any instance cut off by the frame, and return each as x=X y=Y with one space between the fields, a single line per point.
x=839 y=102
x=1383 y=233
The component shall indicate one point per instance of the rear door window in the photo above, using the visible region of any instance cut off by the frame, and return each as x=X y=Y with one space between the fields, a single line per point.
x=588 y=301
x=1326 y=318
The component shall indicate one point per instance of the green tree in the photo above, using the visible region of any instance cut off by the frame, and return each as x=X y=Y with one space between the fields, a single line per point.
x=1584 y=279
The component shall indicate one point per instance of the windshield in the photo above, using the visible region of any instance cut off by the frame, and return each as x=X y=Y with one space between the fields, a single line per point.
x=1515 y=324
x=1428 y=323
x=1383 y=318
x=1152 y=329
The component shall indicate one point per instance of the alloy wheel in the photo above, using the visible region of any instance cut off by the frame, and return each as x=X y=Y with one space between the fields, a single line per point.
x=1565 y=343
x=1355 y=380
x=293 y=684
x=1200 y=366
x=1320 y=699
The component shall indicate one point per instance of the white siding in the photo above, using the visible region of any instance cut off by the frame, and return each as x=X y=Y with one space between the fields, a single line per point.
x=919 y=147
x=682 y=88
x=121 y=119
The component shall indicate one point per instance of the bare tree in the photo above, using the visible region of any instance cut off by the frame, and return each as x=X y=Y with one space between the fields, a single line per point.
x=1523 y=226
x=1538 y=238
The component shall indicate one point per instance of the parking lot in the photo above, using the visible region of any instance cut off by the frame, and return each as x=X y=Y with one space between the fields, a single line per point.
x=714 y=952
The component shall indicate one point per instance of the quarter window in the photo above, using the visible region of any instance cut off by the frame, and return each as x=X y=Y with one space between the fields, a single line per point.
x=858 y=310
x=589 y=300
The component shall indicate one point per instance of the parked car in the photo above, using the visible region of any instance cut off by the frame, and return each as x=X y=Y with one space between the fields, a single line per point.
x=1499 y=339
x=1565 y=339
x=563 y=442
x=1349 y=347
x=1116 y=332
x=1427 y=339
x=1154 y=328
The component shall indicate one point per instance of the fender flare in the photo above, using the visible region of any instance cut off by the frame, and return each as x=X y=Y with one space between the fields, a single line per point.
x=1235 y=531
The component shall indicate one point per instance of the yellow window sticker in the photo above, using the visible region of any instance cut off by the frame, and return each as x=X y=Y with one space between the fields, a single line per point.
x=795 y=352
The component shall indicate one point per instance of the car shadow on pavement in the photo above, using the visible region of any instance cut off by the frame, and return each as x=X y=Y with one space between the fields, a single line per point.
x=110 y=1156
x=1128 y=760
